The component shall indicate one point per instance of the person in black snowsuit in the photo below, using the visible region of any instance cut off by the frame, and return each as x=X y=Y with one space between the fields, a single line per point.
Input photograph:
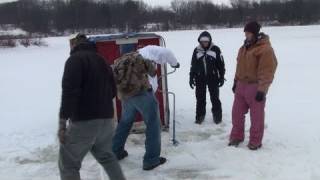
x=207 y=70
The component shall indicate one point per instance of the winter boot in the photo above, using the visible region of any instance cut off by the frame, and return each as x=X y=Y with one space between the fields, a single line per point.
x=235 y=143
x=122 y=155
x=254 y=147
x=199 y=119
x=162 y=161
x=217 y=117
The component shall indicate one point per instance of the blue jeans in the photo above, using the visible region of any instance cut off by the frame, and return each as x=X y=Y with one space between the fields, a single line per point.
x=147 y=105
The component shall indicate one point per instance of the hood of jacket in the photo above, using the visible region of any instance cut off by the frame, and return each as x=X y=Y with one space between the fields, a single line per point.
x=84 y=46
x=261 y=40
x=205 y=34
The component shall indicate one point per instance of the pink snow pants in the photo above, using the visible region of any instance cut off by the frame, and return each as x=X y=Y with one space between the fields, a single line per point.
x=244 y=101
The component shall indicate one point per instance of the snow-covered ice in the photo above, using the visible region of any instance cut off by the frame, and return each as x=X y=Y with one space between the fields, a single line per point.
x=30 y=95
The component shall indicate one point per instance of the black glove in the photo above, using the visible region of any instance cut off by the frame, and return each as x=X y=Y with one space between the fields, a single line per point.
x=221 y=81
x=261 y=96
x=176 y=66
x=192 y=82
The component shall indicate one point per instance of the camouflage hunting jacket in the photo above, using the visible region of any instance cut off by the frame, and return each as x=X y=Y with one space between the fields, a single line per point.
x=131 y=74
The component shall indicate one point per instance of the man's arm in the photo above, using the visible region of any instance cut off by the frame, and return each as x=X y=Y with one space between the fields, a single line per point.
x=266 y=69
x=236 y=78
x=151 y=68
x=192 y=73
x=112 y=81
x=71 y=87
x=234 y=87
x=221 y=64
x=159 y=55
x=193 y=62
x=170 y=58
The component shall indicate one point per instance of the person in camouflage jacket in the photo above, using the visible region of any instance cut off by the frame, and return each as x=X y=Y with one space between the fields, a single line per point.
x=131 y=74
x=134 y=90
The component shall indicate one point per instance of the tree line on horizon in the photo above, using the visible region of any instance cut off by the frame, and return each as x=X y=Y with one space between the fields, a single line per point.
x=54 y=16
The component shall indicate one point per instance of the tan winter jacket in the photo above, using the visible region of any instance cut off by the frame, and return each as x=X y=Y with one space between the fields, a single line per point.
x=257 y=64
x=131 y=74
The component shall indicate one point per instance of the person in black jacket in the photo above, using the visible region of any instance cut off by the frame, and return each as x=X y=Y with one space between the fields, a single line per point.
x=207 y=70
x=88 y=89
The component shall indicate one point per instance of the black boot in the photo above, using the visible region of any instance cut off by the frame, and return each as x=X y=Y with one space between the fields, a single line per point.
x=122 y=155
x=162 y=161
x=235 y=143
x=254 y=147
x=199 y=119
x=217 y=117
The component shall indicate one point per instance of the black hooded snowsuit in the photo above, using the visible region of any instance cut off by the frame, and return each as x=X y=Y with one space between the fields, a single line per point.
x=207 y=69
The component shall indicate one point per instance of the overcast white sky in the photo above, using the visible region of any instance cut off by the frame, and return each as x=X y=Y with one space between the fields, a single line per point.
x=152 y=2
x=1 y=1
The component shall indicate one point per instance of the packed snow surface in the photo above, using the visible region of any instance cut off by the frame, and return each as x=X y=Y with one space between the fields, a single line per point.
x=30 y=92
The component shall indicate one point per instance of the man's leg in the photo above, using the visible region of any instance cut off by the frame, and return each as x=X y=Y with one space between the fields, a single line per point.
x=257 y=115
x=148 y=106
x=123 y=129
x=215 y=101
x=79 y=140
x=102 y=151
x=239 y=110
x=201 y=91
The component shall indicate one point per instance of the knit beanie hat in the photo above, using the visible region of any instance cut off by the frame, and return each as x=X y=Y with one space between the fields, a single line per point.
x=253 y=27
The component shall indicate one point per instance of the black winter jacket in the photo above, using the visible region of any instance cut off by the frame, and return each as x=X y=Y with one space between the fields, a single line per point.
x=207 y=62
x=88 y=86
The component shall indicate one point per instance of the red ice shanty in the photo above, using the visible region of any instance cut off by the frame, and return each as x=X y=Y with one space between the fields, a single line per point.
x=113 y=46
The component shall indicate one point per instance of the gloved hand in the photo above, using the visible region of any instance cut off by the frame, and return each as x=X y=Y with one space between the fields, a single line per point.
x=221 y=81
x=176 y=66
x=62 y=130
x=192 y=82
x=234 y=87
x=261 y=96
